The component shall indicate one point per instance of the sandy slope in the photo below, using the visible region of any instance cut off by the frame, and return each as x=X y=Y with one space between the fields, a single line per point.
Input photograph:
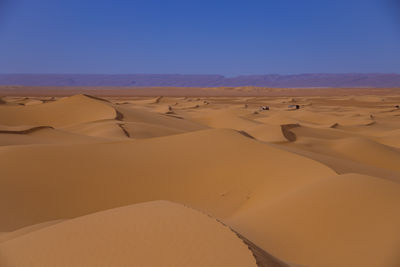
x=148 y=234
x=336 y=220
x=213 y=170
x=318 y=186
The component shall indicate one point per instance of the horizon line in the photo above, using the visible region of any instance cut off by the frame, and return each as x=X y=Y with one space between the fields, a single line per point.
x=205 y=74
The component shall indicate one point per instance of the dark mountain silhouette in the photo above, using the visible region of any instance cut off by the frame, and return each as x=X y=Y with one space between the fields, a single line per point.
x=181 y=80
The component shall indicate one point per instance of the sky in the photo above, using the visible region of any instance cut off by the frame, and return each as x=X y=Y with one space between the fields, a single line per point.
x=200 y=36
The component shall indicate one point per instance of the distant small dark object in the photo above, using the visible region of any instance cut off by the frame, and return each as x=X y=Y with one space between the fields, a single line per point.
x=264 y=108
x=294 y=106
x=397 y=106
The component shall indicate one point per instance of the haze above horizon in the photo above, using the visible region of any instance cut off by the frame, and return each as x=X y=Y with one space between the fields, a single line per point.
x=203 y=37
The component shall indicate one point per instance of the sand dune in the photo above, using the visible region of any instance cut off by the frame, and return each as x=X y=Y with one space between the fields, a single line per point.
x=355 y=149
x=143 y=116
x=148 y=234
x=316 y=186
x=210 y=180
x=108 y=129
x=346 y=220
x=46 y=135
x=63 y=112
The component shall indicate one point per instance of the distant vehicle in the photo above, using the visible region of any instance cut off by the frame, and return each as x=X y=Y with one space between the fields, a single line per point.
x=397 y=106
x=264 y=108
x=294 y=106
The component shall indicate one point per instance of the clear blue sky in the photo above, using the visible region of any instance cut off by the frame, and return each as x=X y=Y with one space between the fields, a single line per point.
x=200 y=36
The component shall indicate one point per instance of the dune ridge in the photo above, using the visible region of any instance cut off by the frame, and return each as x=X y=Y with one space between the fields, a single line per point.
x=19 y=130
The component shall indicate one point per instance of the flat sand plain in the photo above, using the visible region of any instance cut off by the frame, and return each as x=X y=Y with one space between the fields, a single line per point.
x=199 y=177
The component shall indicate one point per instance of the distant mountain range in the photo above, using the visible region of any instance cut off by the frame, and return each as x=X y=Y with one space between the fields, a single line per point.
x=182 y=80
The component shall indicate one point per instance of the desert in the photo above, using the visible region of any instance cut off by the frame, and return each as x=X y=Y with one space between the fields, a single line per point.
x=150 y=133
x=199 y=176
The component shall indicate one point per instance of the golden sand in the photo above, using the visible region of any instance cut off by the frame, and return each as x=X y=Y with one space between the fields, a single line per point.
x=200 y=180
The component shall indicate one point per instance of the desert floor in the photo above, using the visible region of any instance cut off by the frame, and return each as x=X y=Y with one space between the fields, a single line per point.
x=200 y=180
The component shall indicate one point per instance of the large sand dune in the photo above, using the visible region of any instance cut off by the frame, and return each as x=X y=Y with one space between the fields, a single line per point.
x=149 y=234
x=315 y=186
